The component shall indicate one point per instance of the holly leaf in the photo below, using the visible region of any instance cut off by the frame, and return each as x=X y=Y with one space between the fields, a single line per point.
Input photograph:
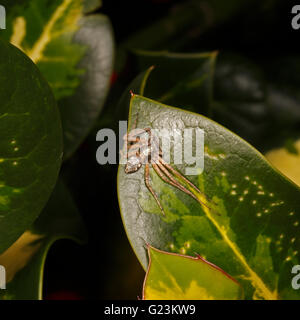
x=249 y=221
x=203 y=83
x=180 y=79
x=74 y=51
x=24 y=261
x=137 y=85
x=176 y=277
x=30 y=143
x=240 y=94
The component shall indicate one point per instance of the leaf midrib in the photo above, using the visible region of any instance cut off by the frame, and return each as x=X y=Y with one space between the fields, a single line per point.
x=256 y=281
x=36 y=52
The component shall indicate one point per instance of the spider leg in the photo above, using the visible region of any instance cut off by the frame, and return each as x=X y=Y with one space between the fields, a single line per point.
x=164 y=164
x=166 y=176
x=132 y=150
x=135 y=147
x=159 y=168
x=127 y=143
x=125 y=154
x=134 y=125
x=147 y=182
x=179 y=175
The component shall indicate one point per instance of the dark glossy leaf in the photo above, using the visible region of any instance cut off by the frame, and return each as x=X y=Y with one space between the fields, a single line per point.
x=180 y=79
x=25 y=259
x=240 y=92
x=75 y=53
x=184 y=24
x=238 y=79
x=30 y=143
x=136 y=86
x=231 y=89
x=255 y=236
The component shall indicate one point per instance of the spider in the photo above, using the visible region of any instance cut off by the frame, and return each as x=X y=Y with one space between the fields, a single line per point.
x=147 y=151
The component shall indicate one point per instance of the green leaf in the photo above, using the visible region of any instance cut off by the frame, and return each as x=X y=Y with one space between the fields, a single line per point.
x=25 y=259
x=80 y=111
x=75 y=53
x=240 y=93
x=175 y=277
x=255 y=237
x=180 y=79
x=230 y=89
x=30 y=143
x=182 y=26
x=137 y=85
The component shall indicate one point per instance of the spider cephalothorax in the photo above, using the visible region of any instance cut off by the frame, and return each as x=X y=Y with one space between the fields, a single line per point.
x=143 y=149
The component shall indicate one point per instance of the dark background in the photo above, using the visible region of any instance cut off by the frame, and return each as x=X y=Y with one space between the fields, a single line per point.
x=106 y=267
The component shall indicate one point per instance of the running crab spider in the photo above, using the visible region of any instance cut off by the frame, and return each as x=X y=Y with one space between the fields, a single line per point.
x=143 y=148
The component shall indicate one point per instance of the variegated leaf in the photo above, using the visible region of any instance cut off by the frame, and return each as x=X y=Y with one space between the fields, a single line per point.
x=30 y=143
x=74 y=52
x=176 y=277
x=255 y=235
x=24 y=261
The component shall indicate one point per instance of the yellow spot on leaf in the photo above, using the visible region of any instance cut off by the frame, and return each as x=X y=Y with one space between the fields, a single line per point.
x=4 y=200
x=182 y=251
x=172 y=247
x=187 y=244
